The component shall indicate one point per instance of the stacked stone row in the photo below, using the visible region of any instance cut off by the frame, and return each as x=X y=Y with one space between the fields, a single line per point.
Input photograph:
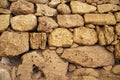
x=65 y=31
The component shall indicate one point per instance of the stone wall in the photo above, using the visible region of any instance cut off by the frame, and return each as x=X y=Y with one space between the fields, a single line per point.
x=59 y=40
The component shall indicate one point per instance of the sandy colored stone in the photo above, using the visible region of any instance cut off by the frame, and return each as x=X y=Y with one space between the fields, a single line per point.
x=110 y=48
x=22 y=7
x=38 y=1
x=86 y=72
x=4 y=74
x=89 y=56
x=38 y=40
x=107 y=8
x=49 y=62
x=103 y=1
x=106 y=35
x=4 y=3
x=24 y=22
x=80 y=7
x=117 y=51
x=113 y=1
x=101 y=38
x=4 y=11
x=116 y=69
x=54 y=65
x=13 y=43
x=26 y=68
x=92 y=1
x=70 y=21
x=117 y=15
x=60 y=37
x=59 y=50
x=100 y=19
x=4 y=22
x=89 y=78
x=46 y=24
x=91 y=26
x=117 y=29
x=85 y=36
x=45 y=10
x=63 y=9
x=54 y=3
x=71 y=68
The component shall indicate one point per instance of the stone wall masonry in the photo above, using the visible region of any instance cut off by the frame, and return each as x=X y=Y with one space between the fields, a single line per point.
x=59 y=39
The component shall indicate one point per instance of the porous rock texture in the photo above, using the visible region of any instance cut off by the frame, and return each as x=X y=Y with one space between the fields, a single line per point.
x=59 y=39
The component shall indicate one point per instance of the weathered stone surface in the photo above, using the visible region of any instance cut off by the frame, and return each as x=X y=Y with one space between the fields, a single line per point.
x=103 y=1
x=4 y=22
x=59 y=50
x=114 y=1
x=92 y=1
x=117 y=29
x=86 y=72
x=69 y=21
x=117 y=51
x=107 y=7
x=71 y=68
x=38 y=40
x=89 y=78
x=63 y=9
x=116 y=69
x=100 y=19
x=38 y=1
x=22 y=7
x=91 y=26
x=80 y=7
x=4 y=74
x=13 y=43
x=45 y=10
x=52 y=66
x=4 y=3
x=117 y=15
x=24 y=22
x=106 y=35
x=4 y=11
x=89 y=56
x=85 y=36
x=46 y=24
x=54 y=3
x=60 y=37
x=26 y=68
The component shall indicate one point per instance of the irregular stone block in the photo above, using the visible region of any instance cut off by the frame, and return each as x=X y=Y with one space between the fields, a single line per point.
x=107 y=8
x=85 y=36
x=22 y=7
x=45 y=10
x=100 y=19
x=51 y=65
x=117 y=15
x=24 y=22
x=4 y=22
x=13 y=43
x=80 y=7
x=117 y=29
x=38 y=40
x=63 y=9
x=106 y=35
x=46 y=24
x=4 y=3
x=89 y=56
x=60 y=37
x=70 y=21
x=116 y=69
